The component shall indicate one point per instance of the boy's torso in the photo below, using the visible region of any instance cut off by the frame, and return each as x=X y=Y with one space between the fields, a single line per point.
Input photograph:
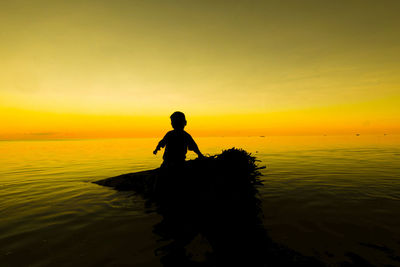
x=177 y=144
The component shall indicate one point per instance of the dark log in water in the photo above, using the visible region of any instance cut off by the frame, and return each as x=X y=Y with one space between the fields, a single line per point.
x=234 y=169
x=138 y=181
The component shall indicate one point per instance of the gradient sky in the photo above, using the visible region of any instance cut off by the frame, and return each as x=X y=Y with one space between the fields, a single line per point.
x=120 y=68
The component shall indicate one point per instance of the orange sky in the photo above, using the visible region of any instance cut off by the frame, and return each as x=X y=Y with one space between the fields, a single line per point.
x=82 y=69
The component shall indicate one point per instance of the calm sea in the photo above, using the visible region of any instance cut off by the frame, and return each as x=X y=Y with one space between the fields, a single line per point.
x=336 y=198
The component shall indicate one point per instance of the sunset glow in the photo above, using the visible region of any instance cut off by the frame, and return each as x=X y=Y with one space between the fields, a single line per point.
x=90 y=69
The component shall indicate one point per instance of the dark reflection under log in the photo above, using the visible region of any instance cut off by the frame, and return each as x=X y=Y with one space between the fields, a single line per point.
x=211 y=213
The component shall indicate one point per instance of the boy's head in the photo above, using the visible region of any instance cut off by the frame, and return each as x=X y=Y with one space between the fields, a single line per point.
x=178 y=120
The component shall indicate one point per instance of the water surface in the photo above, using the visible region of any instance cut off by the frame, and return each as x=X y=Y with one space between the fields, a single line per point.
x=336 y=198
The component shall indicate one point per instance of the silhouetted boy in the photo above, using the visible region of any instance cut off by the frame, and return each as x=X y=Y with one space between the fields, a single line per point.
x=177 y=142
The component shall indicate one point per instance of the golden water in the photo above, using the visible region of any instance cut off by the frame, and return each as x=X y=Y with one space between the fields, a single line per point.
x=325 y=196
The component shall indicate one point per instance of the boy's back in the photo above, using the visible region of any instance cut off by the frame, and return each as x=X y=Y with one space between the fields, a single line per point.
x=177 y=142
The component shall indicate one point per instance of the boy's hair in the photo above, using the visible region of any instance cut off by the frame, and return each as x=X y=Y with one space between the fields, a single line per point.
x=178 y=120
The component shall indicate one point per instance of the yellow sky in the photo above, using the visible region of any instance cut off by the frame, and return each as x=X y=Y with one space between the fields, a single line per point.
x=120 y=68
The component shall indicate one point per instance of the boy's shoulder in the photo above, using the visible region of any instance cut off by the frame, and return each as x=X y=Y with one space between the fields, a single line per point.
x=171 y=133
x=179 y=133
x=186 y=133
x=168 y=134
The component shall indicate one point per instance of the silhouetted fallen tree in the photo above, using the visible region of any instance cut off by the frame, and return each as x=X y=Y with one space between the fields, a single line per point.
x=234 y=170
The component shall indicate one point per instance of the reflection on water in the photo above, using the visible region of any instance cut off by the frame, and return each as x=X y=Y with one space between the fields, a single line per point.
x=335 y=198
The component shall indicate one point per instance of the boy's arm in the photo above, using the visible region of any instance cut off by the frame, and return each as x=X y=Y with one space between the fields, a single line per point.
x=161 y=144
x=193 y=146
x=197 y=151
